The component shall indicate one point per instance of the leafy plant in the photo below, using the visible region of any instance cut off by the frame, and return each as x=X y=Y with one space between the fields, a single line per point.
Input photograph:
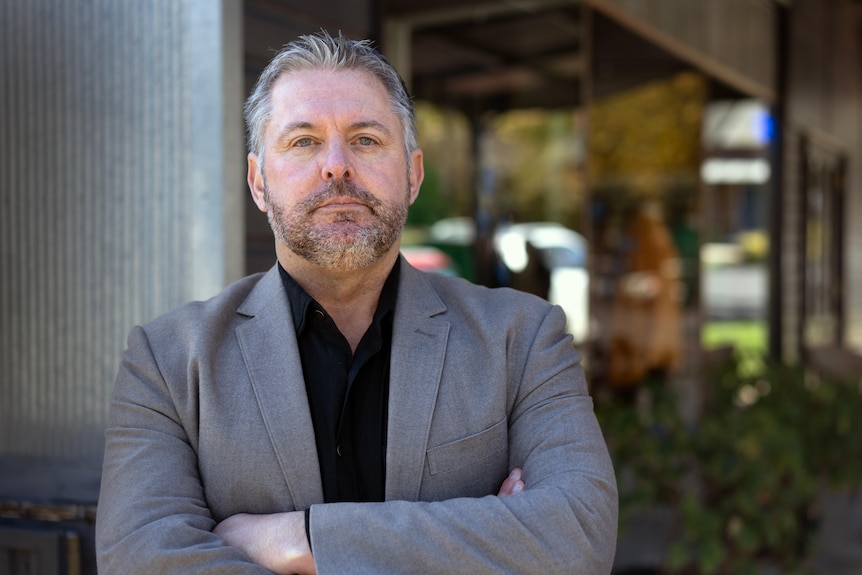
x=744 y=476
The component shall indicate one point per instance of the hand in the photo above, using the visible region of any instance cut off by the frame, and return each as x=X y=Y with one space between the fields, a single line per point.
x=275 y=541
x=512 y=484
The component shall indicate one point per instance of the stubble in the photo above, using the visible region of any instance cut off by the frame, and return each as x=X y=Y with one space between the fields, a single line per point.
x=341 y=243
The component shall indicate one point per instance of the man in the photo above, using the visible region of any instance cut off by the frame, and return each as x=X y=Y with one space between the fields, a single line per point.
x=344 y=412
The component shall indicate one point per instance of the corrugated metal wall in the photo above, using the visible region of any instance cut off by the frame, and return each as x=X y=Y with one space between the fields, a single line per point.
x=115 y=128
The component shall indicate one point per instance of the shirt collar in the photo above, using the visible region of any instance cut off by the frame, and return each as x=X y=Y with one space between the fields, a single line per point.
x=302 y=304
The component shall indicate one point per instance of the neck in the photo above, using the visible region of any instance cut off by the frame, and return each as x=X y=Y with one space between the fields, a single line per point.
x=349 y=297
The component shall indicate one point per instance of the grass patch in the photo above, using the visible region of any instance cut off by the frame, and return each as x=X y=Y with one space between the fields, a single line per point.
x=748 y=338
x=745 y=336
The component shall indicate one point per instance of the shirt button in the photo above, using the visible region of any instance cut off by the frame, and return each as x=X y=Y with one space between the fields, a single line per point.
x=338 y=451
x=320 y=314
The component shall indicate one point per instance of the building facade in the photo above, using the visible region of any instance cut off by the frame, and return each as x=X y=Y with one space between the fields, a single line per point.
x=122 y=191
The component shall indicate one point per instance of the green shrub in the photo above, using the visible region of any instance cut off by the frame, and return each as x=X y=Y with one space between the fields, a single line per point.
x=745 y=474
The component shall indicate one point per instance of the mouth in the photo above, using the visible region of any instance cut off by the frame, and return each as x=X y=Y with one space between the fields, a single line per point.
x=343 y=197
x=342 y=204
x=342 y=208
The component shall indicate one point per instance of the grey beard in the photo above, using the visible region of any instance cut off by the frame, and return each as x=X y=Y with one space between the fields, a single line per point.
x=338 y=250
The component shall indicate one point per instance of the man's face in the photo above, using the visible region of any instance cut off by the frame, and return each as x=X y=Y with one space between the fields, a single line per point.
x=334 y=180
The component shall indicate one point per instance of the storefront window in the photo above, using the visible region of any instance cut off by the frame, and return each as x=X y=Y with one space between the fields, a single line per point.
x=734 y=255
x=823 y=174
x=644 y=156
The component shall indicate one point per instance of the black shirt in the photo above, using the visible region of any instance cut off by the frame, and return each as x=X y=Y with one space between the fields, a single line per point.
x=347 y=393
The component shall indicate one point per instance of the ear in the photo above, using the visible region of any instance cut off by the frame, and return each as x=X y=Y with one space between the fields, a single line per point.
x=417 y=174
x=255 y=182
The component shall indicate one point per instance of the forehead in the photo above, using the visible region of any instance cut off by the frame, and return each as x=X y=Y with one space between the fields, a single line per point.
x=321 y=95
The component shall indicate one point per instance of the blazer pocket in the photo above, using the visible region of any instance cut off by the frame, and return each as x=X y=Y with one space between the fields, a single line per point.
x=468 y=450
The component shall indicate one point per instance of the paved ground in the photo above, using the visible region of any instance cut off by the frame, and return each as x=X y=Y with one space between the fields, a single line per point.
x=837 y=547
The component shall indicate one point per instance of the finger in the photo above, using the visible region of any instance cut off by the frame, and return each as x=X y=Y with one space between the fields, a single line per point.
x=512 y=484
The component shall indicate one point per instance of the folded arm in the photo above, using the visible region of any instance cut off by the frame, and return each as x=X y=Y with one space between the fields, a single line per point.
x=278 y=541
x=155 y=515
x=563 y=520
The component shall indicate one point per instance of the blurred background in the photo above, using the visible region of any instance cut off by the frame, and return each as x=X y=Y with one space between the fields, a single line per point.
x=681 y=176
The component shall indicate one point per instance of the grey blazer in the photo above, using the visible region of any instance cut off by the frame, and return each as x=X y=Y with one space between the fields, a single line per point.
x=209 y=418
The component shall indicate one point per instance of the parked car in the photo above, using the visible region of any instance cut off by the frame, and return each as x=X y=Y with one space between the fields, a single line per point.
x=563 y=254
x=429 y=259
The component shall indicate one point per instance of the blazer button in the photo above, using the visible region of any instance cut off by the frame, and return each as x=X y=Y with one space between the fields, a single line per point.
x=338 y=451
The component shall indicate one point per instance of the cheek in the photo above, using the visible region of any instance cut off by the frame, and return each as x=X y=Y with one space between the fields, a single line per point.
x=283 y=168
x=284 y=184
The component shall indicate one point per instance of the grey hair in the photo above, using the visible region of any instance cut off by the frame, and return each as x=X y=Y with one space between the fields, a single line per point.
x=322 y=51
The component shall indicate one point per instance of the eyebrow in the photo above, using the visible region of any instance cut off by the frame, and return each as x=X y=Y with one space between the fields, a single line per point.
x=361 y=125
x=373 y=124
x=293 y=127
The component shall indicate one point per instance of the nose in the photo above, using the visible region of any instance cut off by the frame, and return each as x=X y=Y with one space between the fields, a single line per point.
x=336 y=162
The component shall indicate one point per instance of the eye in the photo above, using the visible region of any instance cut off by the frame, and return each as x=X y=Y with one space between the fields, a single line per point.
x=303 y=142
x=365 y=141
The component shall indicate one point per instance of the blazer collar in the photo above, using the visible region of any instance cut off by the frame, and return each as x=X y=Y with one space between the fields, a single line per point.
x=268 y=344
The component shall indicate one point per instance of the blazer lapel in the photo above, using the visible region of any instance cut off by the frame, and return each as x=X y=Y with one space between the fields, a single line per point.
x=418 y=349
x=268 y=344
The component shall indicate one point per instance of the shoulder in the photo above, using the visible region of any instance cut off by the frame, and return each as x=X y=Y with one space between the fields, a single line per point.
x=461 y=302
x=463 y=294
x=206 y=317
x=226 y=301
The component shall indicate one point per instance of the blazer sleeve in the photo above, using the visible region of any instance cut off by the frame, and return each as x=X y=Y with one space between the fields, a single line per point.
x=565 y=521
x=153 y=515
